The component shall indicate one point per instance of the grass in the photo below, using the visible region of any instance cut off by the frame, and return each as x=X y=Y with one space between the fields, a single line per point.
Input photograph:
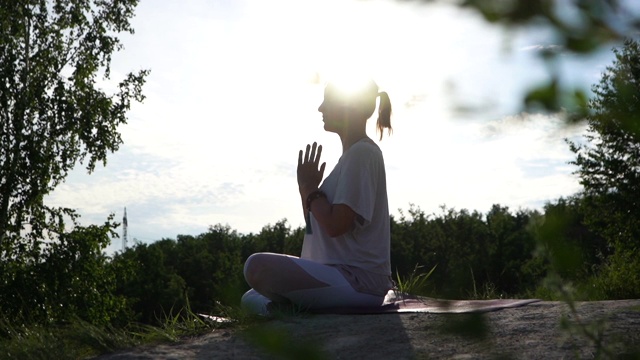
x=183 y=323
x=415 y=283
x=487 y=291
x=78 y=339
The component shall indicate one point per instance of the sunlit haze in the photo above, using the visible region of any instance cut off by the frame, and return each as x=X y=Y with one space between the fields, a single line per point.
x=233 y=95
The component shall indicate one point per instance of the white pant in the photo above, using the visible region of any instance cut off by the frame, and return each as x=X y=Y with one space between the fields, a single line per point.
x=338 y=293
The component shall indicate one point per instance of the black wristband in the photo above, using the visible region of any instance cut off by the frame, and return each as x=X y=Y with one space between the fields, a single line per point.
x=313 y=196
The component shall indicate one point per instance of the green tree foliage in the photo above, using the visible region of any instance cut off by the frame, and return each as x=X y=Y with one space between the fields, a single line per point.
x=565 y=243
x=581 y=26
x=70 y=278
x=609 y=163
x=511 y=246
x=500 y=253
x=197 y=271
x=217 y=253
x=144 y=278
x=470 y=250
x=53 y=115
x=489 y=255
x=279 y=238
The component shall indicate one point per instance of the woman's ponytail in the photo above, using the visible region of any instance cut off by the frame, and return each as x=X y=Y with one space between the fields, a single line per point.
x=384 y=114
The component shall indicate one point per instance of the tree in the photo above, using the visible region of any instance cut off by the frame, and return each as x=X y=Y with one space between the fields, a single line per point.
x=152 y=289
x=53 y=113
x=72 y=278
x=609 y=162
x=510 y=247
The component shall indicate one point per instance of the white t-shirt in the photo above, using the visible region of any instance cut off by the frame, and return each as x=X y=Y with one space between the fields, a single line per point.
x=358 y=181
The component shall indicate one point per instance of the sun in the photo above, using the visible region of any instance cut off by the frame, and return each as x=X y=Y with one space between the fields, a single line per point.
x=349 y=80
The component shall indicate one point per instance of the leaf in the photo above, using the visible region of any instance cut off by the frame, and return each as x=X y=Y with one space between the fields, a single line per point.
x=545 y=96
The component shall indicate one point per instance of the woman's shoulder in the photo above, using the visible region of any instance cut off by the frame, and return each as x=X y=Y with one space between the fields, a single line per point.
x=366 y=146
x=364 y=151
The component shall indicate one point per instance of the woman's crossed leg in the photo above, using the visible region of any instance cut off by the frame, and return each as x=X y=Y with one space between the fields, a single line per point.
x=283 y=278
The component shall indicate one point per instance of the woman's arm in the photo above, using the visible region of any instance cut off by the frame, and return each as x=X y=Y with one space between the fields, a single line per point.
x=335 y=219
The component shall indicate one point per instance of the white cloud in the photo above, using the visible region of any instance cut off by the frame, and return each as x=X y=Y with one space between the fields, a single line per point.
x=517 y=161
x=540 y=48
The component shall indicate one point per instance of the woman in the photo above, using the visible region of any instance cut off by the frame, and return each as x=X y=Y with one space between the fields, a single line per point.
x=345 y=253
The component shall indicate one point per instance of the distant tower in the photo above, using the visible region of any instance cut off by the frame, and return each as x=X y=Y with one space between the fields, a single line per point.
x=124 y=230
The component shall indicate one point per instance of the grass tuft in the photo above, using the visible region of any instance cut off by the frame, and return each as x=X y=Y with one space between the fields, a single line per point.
x=415 y=283
x=487 y=291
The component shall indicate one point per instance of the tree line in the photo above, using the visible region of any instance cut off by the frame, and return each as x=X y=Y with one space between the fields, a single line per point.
x=498 y=254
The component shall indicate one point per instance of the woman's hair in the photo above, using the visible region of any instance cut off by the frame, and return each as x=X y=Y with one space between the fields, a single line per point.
x=364 y=98
x=384 y=114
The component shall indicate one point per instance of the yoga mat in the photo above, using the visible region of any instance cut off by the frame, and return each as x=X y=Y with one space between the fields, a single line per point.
x=406 y=303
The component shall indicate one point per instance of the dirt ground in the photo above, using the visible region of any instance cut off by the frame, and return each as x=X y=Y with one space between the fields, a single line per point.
x=534 y=331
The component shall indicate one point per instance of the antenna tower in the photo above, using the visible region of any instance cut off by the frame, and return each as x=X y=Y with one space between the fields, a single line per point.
x=124 y=230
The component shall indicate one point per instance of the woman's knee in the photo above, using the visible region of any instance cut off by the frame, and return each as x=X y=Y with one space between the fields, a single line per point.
x=256 y=266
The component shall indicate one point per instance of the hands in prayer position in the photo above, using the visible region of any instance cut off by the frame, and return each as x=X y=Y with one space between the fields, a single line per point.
x=309 y=174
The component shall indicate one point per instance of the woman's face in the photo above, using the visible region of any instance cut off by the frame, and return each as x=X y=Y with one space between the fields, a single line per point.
x=334 y=112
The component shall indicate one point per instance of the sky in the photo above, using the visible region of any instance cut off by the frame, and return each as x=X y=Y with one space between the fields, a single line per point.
x=233 y=95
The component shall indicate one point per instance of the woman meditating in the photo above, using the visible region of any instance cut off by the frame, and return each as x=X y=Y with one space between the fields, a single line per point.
x=345 y=253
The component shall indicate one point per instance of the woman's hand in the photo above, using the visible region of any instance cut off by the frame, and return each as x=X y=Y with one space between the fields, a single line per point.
x=309 y=175
x=334 y=219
